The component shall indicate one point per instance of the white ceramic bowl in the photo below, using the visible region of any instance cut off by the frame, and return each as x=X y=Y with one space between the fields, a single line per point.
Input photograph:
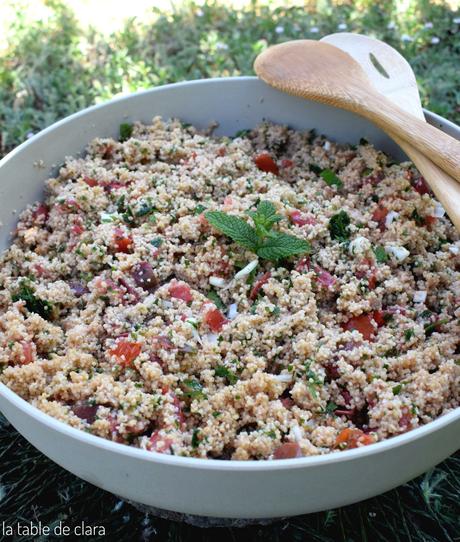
x=257 y=489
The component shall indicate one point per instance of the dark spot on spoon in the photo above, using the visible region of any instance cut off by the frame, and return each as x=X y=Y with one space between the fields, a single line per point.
x=378 y=66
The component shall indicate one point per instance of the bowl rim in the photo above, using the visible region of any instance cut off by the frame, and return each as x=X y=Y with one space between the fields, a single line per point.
x=192 y=462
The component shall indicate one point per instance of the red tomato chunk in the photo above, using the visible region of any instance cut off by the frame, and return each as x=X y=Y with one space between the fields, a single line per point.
x=215 y=320
x=182 y=291
x=126 y=352
x=288 y=450
x=266 y=163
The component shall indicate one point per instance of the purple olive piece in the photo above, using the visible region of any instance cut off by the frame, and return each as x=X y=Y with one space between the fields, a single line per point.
x=78 y=288
x=85 y=411
x=144 y=277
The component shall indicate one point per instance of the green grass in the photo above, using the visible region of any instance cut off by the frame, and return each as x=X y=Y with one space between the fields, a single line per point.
x=55 y=68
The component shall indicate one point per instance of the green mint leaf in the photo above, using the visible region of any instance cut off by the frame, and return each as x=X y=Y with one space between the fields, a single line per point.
x=397 y=389
x=331 y=178
x=380 y=254
x=126 y=131
x=339 y=226
x=235 y=228
x=282 y=245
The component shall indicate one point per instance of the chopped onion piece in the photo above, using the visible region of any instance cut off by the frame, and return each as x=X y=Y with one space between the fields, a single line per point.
x=283 y=377
x=195 y=333
x=390 y=217
x=439 y=211
x=400 y=253
x=211 y=338
x=218 y=282
x=359 y=245
x=420 y=296
x=455 y=249
x=246 y=270
x=297 y=433
x=327 y=146
x=167 y=304
x=232 y=311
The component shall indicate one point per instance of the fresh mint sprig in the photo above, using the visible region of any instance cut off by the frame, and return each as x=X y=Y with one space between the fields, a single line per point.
x=261 y=238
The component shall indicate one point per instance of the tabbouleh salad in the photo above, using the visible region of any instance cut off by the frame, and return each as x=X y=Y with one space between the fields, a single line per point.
x=267 y=296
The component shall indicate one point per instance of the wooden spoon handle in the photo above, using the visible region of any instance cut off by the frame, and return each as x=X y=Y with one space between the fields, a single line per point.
x=445 y=188
x=436 y=145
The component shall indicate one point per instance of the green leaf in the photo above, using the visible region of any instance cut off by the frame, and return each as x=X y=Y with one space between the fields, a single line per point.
x=199 y=209
x=331 y=178
x=397 y=389
x=224 y=372
x=235 y=228
x=193 y=389
x=282 y=245
x=214 y=297
x=380 y=255
x=126 y=131
x=339 y=226
x=33 y=303
x=315 y=169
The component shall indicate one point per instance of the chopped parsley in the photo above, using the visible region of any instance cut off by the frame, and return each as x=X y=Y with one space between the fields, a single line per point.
x=33 y=303
x=408 y=334
x=126 y=131
x=330 y=178
x=339 y=226
x=397 y=389
x=214 y=297
x=193 y=389
x=224 y=372
x=380 y=254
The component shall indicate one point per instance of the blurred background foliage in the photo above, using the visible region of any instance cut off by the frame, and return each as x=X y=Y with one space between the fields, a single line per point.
x=62 y=57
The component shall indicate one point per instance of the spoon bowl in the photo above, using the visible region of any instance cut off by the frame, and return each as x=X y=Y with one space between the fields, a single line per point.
x=393 y=77
x=321 y=72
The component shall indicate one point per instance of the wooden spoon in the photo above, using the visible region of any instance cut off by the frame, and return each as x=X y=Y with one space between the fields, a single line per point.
x=392 y=76
x=321 y=72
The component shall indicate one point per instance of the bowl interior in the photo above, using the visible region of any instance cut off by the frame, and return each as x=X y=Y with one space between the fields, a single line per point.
x=234 y=103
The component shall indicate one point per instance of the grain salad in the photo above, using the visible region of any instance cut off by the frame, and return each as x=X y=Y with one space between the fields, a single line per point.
x=267 y=296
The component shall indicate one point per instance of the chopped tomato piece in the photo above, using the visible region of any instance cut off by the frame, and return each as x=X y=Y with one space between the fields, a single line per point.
x=379 y=317
x=421 y=187
x=28 y=352
x=405 y=422
x=379 y=215
x=159 y=443
x=303 y=264
x=325 y=278
x=266 y=163
x=430 y=221
x=215 y=320
x=286 y=163
x=78 y=229
x=90 y=182
x=363 y=323
x=258 y=285
x=162 y=342
x=352 y=438
x=122 y=242
x=288 y=450
x=300 y=219
x=41 y=213
x=126 y=352
x=181 y=290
